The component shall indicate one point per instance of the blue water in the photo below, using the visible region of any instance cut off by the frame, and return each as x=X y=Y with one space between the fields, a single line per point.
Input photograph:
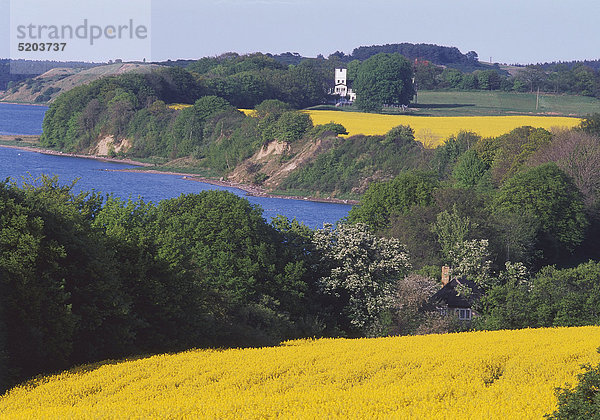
x=21 y=119
x=101 y=176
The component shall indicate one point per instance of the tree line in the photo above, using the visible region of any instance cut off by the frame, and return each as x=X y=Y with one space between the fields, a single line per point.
x=579 y=79
x=247 y=80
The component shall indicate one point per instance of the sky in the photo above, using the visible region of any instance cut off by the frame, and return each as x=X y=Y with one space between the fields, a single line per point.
x=507 y=31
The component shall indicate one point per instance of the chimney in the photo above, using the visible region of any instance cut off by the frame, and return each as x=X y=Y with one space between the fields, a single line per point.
x=445 y=275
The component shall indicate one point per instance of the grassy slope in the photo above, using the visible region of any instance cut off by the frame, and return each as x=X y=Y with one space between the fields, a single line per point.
x=501 y=374
x=67 y=79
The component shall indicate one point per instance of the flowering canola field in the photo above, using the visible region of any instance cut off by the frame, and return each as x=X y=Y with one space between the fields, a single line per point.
x=479 y=375
x=433 y=131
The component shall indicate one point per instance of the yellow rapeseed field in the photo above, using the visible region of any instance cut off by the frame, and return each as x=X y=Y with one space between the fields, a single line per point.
x=178 y=106
x=433 y=131
x=476 y=375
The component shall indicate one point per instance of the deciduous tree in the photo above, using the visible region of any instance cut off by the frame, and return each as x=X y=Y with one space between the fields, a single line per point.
x=383 y=79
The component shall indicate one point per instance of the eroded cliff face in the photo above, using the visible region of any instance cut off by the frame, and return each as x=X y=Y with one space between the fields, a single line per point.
x=108 y=146
x=276 y=160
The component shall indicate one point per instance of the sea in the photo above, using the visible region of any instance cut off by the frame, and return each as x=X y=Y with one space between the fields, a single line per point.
x=106 y=177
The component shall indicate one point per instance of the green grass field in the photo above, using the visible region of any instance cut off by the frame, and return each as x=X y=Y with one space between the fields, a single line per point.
x=474 y=103
x=504 y=103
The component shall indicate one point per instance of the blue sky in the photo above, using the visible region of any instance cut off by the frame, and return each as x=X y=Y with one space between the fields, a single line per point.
x=508 y=31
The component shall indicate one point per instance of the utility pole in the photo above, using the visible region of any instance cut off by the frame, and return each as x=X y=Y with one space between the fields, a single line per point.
x=537 y=100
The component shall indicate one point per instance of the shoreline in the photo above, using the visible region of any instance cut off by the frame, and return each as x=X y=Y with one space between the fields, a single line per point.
x=251 y=190
x=76 y=155
x=24 y=103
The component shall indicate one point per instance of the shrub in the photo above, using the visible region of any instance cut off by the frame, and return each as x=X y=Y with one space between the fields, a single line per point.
x=583 y=401
x=331 y=127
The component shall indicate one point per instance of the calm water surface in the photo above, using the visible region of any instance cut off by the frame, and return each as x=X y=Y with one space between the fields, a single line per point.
x=101 y=176
x=21 y=119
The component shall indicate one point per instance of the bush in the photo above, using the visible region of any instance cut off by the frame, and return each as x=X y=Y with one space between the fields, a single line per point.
x=328 y=128
x=591 y=124
x=385 y=199
x=292 y=125
x=583 y=401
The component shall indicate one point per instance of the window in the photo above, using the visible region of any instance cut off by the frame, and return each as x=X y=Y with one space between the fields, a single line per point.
x=463 y=314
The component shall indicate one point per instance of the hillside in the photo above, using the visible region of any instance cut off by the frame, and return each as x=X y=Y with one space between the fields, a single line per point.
x=492 y=375
x=46 y=87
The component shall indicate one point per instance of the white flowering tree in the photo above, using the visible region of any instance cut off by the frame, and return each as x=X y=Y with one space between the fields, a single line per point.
x=362 y=271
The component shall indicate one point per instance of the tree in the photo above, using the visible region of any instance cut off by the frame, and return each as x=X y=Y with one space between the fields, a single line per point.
x=413 y=229
x=87 y=270
x=187 y=131
x=447 y=154
x=511 y=151
x=567 y=298
x=468 y=258
x=306 y=85
x=36 y=327
x=471 y=260
x=426 y=75
x=384 y=199
x=472 y=56
x=469 y=82
x=292 y=125
x=585 y=80
x=412 y=293
x=577 y=153
x=363 y=270
x=488 y=79
x=62 y=299
x=507 y=305
x=469 y=170
x=515 y=235
x=451 y=78
x=549 y=195
x=452 y=230
x=383 y=79
x=233 y=260
x=170 y=315
x=328 y=129
x=532 y=76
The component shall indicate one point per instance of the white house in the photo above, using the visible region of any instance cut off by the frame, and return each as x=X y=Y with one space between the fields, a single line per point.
x=341 y=88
